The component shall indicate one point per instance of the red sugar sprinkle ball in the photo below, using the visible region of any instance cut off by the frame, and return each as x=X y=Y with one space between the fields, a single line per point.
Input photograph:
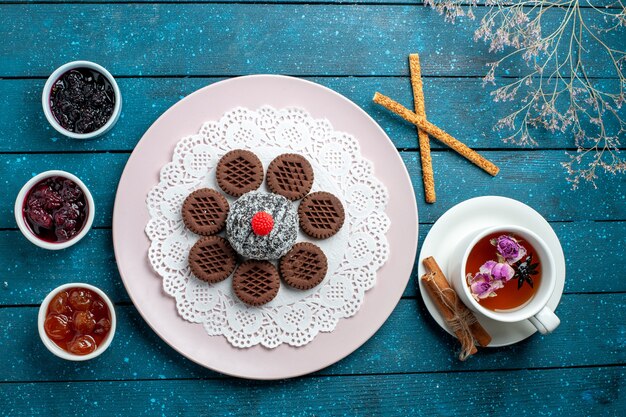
x=262 y=223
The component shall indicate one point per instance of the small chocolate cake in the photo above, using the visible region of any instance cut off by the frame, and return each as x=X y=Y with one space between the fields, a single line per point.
x=273 y=231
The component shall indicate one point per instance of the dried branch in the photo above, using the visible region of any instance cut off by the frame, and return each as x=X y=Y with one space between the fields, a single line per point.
x=558 y=93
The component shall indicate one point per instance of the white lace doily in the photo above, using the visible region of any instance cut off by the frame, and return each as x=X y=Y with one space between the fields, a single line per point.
x=354 y=254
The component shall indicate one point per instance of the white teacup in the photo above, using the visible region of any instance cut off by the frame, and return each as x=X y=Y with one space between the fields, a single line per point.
x=535 y=310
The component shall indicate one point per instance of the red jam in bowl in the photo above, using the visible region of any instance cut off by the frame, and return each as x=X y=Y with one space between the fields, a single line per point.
x=55 y=209
x=77 y=320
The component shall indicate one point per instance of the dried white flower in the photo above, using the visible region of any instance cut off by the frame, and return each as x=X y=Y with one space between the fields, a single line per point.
x=558 y=94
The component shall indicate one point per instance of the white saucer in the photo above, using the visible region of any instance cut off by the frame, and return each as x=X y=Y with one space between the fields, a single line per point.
x=471 y=216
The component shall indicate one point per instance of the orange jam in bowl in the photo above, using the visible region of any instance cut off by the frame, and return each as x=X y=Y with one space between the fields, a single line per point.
x=77 y=321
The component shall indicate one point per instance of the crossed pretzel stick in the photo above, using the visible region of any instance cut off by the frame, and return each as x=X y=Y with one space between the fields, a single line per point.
x=425 y=129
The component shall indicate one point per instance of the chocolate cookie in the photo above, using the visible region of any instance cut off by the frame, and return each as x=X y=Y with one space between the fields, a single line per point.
x=256 y=282
x=205 y=211
x=239 y=171
x=304 y=266
x=290 y=175
x=321 y=215
x=212 y=259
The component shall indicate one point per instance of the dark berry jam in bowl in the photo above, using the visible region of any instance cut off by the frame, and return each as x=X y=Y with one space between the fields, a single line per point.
x=77 y=321
x=81 y=100
x=54 y=210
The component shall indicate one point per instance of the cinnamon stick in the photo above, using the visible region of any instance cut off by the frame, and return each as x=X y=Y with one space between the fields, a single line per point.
x=467 y=343
x=439 y=134
x=478 y=331
x=428 y=176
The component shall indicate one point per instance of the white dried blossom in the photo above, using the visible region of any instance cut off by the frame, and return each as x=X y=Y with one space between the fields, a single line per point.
x=557 y=94
x=451 y=9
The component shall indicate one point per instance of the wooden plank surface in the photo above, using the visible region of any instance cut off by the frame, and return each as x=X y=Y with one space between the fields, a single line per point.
x=521 y=393
x=535 y=178
x=410 y=341
x=584 y=3
x=356 y=48
x=145 y=99
x=590 y=250
x=222 y=39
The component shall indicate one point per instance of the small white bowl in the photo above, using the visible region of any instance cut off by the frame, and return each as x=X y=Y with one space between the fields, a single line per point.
x=47 y=89
x=53 y=347
x=25 y=229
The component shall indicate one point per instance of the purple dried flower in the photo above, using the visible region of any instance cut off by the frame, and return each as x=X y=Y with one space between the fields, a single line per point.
x=510 y=249
x=483 y=286
x=497 y=270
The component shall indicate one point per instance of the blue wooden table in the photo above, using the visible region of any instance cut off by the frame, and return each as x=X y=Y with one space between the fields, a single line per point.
x=162 y=52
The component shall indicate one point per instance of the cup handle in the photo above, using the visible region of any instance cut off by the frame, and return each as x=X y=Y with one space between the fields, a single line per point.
x=545 y=321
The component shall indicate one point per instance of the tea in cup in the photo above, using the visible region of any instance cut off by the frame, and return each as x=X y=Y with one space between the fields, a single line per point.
x=506 y=273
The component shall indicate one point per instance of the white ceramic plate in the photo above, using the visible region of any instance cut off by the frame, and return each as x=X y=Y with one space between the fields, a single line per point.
x=131 y=244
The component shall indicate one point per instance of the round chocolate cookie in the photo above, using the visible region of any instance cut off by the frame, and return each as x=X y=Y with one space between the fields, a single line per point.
x=321 y=215
x=205 y=211
x=212 y=259
x=304 y=266
x=256 y=282
x=290 y=175
x=269 y=240
x=238 y=172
